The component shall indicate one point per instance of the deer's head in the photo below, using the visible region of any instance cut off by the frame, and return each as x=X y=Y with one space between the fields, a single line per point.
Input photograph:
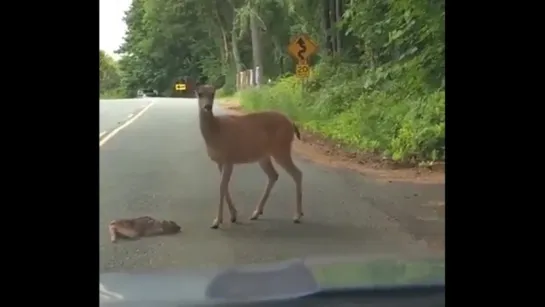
x=170 y=227
x=205 y=96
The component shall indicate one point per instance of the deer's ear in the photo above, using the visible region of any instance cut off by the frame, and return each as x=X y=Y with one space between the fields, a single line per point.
x=202 y=80
x=219 y=82
x=198 y=88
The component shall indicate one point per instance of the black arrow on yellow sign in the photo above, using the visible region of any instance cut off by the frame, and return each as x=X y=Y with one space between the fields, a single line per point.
x=301 y=44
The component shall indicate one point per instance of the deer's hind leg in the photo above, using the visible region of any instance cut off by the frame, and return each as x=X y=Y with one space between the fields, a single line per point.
x=121 y=231
x=232 y=210
x=285 y=160
x=267 y=166
x=113 y=233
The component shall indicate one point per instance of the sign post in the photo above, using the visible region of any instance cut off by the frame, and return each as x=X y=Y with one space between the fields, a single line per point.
x=301 y=48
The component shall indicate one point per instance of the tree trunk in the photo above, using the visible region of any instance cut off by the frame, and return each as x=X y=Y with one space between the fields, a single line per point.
x=332 y=29
x=256 y=47
x=225 y=37
x=337 y=19
x=327 y=26
x=236 y=52
x=225 y=49
x=236 y=57
x=234 y=40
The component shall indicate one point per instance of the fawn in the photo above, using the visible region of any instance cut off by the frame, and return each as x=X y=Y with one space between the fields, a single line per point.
x=140 y=227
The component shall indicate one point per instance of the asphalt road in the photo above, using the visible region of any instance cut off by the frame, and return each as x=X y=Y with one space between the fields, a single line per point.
x=116 y=111
x=157 y=166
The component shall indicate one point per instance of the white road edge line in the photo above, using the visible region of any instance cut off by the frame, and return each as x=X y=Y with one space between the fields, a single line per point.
x=102 y=133
x=127 y=123
x=130 y=115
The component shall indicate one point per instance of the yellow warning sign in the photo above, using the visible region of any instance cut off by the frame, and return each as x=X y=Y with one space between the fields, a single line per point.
x=302 y=70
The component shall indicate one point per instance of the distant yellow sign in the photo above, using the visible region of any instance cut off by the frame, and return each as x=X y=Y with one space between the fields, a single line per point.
x=302 y=70
x=180 y=87
x=302 y=47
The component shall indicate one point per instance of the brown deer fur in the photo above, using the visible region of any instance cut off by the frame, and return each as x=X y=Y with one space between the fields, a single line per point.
x=255 y=137
x=140 y=227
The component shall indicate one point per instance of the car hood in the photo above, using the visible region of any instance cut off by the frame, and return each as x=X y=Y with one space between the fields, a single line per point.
x=281 y=280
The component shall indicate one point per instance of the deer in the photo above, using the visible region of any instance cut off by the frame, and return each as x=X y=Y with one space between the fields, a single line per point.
x=144 y=226
x=257 y=137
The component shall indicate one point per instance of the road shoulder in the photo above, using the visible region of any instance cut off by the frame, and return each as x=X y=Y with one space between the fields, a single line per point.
x=414 y=197
x=322 y=151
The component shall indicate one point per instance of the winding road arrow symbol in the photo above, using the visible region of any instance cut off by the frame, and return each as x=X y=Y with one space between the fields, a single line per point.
x=301 y=44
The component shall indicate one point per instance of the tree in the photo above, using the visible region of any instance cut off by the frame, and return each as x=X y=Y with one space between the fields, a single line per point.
x=167 y=39
x=378 y=76
x=108 y=72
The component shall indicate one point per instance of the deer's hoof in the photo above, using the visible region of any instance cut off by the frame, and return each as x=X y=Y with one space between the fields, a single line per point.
x=297 y=218
x=215 y=224
x=255 y=215
x=234 y=219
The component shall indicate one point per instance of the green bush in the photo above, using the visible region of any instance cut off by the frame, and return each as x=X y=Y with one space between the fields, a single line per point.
x=225 y=92
x=113 y=94
x=389 y=110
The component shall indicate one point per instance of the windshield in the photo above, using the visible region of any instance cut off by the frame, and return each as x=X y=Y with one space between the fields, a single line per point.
x=311 y=279
x=284 y=133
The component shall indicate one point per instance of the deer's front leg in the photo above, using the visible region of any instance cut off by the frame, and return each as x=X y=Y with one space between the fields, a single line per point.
x=230 y=204
x=226 y=171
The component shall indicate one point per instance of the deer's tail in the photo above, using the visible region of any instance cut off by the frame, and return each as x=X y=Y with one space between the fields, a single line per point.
x=296 y=131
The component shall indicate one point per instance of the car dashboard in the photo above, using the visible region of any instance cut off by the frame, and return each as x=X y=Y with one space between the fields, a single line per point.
x=291 y=283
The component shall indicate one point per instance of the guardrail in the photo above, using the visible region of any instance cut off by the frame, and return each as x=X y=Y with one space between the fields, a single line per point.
x=247 y=78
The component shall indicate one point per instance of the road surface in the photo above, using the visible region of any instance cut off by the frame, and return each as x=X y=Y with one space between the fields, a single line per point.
x=115 y=111
x=156 y=165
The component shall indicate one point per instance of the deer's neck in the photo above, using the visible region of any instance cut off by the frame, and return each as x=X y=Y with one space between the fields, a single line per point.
x=208 y=124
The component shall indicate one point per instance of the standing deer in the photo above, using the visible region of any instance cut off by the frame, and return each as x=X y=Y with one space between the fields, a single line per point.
x=254 y=137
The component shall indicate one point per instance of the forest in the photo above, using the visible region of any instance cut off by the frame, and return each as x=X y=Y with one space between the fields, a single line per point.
x=377 y=80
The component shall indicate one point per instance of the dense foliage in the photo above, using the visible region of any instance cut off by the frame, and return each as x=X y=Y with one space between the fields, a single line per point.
x=110 y=80
x=377 y=82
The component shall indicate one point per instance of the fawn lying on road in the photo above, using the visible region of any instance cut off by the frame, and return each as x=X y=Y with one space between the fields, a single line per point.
x=140 y=227
x=254 y=137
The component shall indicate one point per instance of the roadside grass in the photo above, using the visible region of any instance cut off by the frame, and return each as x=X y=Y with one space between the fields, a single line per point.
x=397 y=118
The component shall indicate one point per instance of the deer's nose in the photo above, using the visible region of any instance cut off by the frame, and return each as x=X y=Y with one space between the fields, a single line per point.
x=208 y=107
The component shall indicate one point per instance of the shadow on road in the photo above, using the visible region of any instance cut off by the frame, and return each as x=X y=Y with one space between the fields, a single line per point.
x=286 y=230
